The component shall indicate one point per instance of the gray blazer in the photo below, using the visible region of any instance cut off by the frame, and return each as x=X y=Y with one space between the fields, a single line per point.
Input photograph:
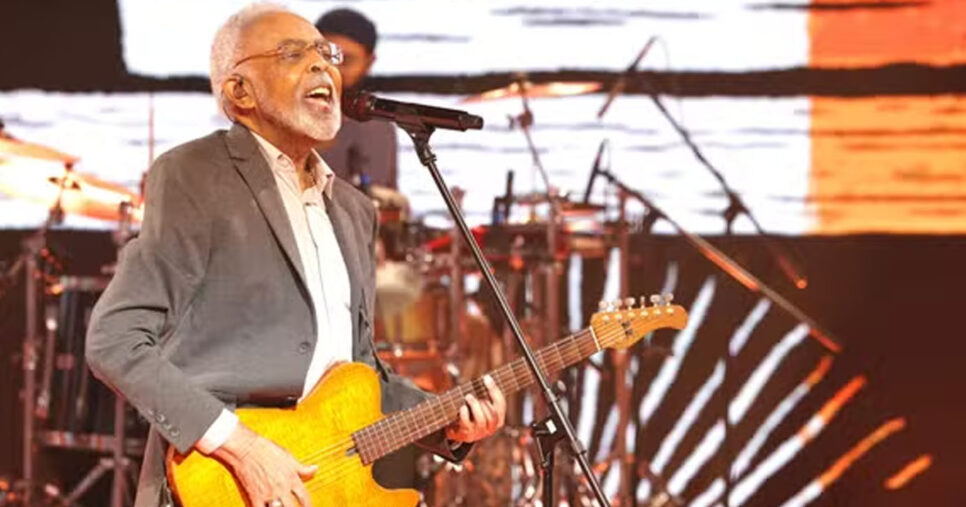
x=209 y=309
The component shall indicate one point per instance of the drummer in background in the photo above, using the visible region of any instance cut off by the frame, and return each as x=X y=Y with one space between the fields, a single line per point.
x=363 y=154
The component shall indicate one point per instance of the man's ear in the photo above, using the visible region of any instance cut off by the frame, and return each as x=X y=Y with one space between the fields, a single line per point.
x=235 y=90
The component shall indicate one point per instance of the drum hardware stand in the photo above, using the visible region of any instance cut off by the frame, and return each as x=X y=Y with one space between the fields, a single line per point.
x=780 y=251
x=42 y=409
x=732 y=269
x=553 y=267
x=420 y=133
x=34 y=249
x=117 y=461
x=457 y=293
x=620 y=358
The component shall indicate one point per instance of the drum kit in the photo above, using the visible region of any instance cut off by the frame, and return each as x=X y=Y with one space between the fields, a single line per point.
x=64 y=407
x=429 y=326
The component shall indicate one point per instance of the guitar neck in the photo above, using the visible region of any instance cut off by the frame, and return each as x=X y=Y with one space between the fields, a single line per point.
x=405 y=427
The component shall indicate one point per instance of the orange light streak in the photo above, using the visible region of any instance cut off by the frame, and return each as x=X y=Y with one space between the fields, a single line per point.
x=850 y=457
x=831 y=407
x=819 y=372
x=908 y=472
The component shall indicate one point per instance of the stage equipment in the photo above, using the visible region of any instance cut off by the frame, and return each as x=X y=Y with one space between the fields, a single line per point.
x=362 y=106
x=11 y=146
x=736 y=206
x=64 y=406
x=536 y=90
x=68 y=192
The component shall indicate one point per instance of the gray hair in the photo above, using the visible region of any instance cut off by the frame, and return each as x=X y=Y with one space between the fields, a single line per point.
x=224 y=49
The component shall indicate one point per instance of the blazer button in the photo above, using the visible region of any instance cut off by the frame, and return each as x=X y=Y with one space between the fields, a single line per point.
x=304 y=347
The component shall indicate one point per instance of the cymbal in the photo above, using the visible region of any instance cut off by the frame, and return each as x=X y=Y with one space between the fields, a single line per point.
x=533 y=198
x=11 y=146
x=537 y=90
x=83 y=195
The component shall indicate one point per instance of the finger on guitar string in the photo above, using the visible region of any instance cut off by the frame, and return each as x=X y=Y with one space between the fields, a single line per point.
x=457 y=429
x=473 y=428
x=498 y=402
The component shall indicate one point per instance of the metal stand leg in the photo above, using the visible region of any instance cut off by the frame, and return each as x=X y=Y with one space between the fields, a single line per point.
x=548 y=435
x=124 y=468
x=29 y=370
x=119 y=486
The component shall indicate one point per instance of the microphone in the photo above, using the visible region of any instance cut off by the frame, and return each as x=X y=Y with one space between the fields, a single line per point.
x=621 y=81
x=363 y=106
x=594 y=171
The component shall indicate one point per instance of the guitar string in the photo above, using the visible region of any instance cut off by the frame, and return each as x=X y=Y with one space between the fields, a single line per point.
x=332 y=474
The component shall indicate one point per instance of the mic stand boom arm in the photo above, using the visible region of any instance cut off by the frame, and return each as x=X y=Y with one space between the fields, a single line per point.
x=735 y=204
x=730 y=266
x=420 y=133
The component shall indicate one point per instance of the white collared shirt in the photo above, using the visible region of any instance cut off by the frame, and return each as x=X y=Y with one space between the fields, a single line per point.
x=325 y=274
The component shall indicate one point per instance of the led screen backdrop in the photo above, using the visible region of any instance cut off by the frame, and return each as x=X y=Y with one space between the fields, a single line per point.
x=828 y=118
x=851 y=159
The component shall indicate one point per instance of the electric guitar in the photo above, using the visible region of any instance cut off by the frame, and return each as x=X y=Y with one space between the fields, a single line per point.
x=340 y=427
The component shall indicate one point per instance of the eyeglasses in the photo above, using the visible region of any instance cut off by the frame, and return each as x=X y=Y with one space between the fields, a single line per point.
x=294 y=51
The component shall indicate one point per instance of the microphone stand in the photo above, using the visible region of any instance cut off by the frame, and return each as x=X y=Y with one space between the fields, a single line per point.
x=736 y=205
x=729 y=265
x=420 y=133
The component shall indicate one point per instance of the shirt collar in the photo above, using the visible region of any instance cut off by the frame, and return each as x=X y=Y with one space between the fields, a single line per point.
x=273 y=155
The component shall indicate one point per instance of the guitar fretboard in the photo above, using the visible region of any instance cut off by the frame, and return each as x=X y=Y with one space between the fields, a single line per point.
x=402 y=428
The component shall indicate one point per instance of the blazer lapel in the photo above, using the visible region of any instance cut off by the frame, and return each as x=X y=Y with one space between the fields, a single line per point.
x=254 y=169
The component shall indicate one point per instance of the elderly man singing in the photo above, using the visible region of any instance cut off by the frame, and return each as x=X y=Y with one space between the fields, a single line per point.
x=253 y=272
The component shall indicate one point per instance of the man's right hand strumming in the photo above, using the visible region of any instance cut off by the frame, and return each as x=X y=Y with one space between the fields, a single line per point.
x=268 y=474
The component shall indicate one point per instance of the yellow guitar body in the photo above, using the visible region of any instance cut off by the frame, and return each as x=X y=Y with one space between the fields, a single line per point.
x=317 y=432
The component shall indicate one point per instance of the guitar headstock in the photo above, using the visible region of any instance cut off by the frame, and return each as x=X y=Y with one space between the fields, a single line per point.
x=620 y=324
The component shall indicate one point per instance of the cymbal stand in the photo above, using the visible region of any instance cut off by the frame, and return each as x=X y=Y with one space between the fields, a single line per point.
x=620 y=357
x=118 y=462
x=457 y=291
x=731 y=267
x=553 y=267
x=34 y=250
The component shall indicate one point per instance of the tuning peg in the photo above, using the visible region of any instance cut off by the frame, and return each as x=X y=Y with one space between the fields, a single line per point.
x=655 y=299
x=629 y=303
x=668 y=297
x=602 y=305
